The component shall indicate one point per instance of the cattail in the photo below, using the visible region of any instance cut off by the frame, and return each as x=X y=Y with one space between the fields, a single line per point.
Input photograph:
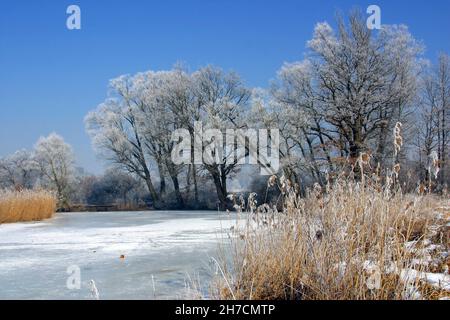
x=421 y=189
x=365 y=158
x=317 y=190
x=242 y=201
x=434 y=167
x=284 y=184
x=252 y=202
x=272 y=181
x=398 y=140
x=396 y=170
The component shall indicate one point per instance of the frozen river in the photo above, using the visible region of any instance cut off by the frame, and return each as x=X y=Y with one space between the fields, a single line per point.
x=174 y=248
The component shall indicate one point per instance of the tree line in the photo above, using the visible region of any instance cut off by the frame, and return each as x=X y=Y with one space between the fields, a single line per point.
x=354 y=88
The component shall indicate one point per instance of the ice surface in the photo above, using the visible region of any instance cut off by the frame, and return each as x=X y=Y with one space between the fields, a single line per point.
x=171 y=246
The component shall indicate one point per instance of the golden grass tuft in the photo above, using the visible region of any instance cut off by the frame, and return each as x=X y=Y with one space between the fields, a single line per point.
x=26 y=205
x=349 y=241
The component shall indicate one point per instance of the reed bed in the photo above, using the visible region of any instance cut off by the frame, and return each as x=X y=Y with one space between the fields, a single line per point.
x=358 y=237
x=26 y=205
x=349 y=240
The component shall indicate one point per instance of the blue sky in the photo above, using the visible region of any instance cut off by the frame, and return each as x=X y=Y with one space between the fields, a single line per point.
x=50 y=77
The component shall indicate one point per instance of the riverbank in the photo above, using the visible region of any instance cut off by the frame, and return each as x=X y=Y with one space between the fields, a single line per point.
x=103 y=208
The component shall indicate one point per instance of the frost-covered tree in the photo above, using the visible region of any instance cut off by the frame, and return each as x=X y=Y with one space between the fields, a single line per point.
x=270 y=112
x=18 y=170
x=442 y=80
x=133 y=127
x=163 y=100
x=433 y=112
x=116 y=133
x=223 y=99
x=55 y=159
x=305 y=124
x=344 y=98
x=363 y=81
x=427 y=131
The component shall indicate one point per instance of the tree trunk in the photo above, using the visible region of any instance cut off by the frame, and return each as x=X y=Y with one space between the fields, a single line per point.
x=221 y=187
x=194 y=168
x=149 y=183
x=162 y=179
x=312 y=158
x=221 y=194
x=176 y=184
x=194 y=178
x=178 y=195
x=324 y=149
x=444 y=142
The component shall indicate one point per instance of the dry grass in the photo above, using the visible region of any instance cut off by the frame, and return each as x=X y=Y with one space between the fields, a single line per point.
x=26 y=205
x=352 y=240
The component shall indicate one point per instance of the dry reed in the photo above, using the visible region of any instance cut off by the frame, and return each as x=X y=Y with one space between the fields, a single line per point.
x=352 y=239
x=26 y=205
x=346 y=241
